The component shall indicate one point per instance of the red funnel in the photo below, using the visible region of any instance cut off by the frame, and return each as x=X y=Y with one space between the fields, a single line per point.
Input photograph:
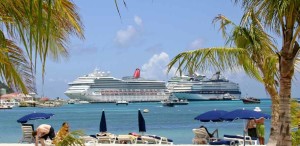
x=136 y=73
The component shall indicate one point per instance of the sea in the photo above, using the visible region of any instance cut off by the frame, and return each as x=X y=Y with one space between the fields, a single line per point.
x=175 y=123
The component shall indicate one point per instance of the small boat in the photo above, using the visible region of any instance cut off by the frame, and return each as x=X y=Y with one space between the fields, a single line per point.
x=226 y=96
x=180 y=102
x=5 y=107
x=168 y=103
x=121 y=102
x=145 y=111
x=251 y=100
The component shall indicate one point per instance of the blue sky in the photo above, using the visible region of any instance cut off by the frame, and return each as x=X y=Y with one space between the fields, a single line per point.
x=149 y=34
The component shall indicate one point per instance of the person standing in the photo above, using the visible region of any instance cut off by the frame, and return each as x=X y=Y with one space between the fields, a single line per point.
x=251 y=128
x=260 y=127
x=43 y=132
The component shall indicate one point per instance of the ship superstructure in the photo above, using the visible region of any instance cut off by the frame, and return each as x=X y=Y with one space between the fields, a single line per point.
x=102 y=87
x=201 y=88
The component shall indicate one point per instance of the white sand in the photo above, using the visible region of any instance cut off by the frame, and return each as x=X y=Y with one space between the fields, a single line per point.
x=21 y=144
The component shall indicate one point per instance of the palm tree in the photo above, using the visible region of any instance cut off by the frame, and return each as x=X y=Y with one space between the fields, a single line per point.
x=295 y=116
x=282 y=18
x=42 y=28
x=253 y=52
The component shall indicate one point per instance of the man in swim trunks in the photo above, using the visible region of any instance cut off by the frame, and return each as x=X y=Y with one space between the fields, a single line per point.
x=42 y=133
x=251 y=128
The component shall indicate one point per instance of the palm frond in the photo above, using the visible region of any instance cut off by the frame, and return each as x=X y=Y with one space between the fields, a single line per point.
x=222 y=59
x=43 y=27
x=72 y=139
x=14 y=68
x=224 y=23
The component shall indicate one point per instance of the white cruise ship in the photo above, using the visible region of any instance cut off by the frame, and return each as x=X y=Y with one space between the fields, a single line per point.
x=102 y=87
x=200 y=88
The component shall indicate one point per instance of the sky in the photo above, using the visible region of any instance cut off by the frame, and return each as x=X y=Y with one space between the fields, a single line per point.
x=147 y=36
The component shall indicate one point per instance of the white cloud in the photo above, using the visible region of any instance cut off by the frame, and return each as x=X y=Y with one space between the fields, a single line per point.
x=196 y=44
x=156 y=67
x=131 y=35
x=124 y=38
x=138 y=20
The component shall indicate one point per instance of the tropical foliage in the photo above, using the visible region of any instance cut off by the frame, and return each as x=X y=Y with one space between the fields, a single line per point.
x=72 y=139
x=251 y=50
x=295 y=116
x=32 y=31
x=282 y=18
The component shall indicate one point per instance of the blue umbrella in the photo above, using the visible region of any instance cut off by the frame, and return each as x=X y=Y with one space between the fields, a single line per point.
x=34 y=116
x=103 y=127
x=211 y=116
x=244 y=114
x=142 y=124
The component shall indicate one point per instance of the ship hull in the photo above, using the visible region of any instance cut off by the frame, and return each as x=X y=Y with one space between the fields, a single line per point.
x=130 y=98
x=194 y=96
x=101 y=87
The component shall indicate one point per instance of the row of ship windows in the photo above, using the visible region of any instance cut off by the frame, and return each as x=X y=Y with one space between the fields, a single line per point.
x=132 y=90
x=135 y=93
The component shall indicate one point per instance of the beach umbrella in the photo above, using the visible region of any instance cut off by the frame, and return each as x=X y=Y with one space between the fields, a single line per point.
x=244 y=114
x=103 y=127
x=34 y=116
x=142 y=124
x=211 y=116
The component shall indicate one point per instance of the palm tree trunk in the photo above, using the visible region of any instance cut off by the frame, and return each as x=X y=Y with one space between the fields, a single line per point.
x=286 y=68
x=286 y=73
x=275 y=115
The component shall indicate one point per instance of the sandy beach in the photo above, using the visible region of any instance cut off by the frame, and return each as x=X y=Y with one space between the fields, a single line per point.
x=19 y=144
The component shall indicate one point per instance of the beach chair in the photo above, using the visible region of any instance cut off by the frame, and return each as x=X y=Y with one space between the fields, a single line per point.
x=225 y=142
x=126 y=139
x=162 y=140
x=89 y=140
x=240 y=139
x=27 y=130
x=145 y=139
x=106 y=138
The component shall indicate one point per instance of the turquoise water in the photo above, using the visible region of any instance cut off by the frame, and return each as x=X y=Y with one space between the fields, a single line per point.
x=173 y=122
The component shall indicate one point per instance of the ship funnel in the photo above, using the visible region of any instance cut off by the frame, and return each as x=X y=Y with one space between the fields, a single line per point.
x=136 y=73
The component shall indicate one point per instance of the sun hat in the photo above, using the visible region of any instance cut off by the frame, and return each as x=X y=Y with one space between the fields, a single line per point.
x=257 y=109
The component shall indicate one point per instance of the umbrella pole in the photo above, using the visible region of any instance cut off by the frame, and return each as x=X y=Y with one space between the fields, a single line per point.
x=217 y=131
x=244 y=132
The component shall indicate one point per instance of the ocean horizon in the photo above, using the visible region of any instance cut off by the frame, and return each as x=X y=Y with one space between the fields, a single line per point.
x=175 y=123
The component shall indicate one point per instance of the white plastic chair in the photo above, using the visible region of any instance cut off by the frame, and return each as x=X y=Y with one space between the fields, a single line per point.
x=27 y=130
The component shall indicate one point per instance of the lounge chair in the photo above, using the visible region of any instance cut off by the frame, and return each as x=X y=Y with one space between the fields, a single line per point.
x=125 y=139
x=27 y=130
x=224 y=142
x=145 y=139
x=162 y=140
x=89 y=140
x=106 y=138
x=248 y=139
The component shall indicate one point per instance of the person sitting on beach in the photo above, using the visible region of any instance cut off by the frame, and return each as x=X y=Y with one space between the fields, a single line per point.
x=62 y=133
x=42 y=133
x=202 y=135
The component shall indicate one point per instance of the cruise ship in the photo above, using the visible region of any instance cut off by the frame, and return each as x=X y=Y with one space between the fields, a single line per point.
x=100 y=86
x=199 y=88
